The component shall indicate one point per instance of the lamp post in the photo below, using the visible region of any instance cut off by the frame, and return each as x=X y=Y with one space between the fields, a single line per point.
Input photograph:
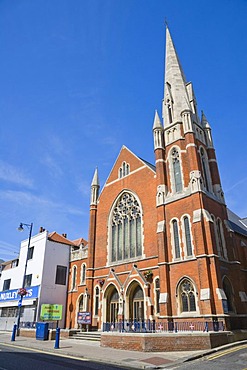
x=21 y=228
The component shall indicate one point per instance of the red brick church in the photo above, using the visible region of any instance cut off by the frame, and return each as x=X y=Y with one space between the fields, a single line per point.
x=162 y=245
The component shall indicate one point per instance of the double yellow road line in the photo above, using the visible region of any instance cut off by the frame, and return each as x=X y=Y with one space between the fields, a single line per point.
x=223 y=353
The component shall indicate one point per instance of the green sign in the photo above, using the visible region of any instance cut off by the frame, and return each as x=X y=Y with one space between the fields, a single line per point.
x=51 y=312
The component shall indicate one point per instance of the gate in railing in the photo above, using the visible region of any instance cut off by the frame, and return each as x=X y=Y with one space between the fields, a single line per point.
x=152 y=326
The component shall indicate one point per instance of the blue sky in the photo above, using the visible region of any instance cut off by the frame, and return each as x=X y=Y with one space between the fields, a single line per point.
x=81 y=78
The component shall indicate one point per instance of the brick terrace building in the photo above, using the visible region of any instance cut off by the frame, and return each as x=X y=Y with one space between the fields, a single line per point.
x=162 y=244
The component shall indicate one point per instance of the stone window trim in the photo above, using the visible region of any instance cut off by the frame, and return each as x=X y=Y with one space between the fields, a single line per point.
x=73 y=277
x=185 y=240
x=80 y=303
x=83 y=273
x=206 y=174
x=187 y=297
x=157 y=295
x=174 y=157
x=124 y=170
x=173 y=237
x=219 y=237
x=97 y=290
x=126 y=209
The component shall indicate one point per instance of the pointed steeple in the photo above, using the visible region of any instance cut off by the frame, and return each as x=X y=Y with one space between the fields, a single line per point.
x=176 y=99
x=95 y=188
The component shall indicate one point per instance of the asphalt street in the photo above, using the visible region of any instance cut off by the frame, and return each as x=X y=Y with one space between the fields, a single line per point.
x=12 y=358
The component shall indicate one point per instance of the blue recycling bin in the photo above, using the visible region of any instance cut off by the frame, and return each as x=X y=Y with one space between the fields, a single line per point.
x=42 y=331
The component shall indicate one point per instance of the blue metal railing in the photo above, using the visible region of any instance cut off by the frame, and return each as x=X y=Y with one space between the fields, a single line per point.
x=152 y=326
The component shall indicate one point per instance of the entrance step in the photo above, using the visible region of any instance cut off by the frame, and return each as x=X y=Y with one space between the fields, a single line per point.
x=87 y=335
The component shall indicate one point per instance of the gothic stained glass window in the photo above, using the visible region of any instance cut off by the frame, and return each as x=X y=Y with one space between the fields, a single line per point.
x=176 y=167
x=126 y=229
x=187 y=296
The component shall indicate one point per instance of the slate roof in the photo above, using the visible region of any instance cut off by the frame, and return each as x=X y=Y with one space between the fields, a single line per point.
x=236 y=224
x=148 y=164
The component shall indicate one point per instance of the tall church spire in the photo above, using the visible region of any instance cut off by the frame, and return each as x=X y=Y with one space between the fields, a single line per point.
x=176 y=98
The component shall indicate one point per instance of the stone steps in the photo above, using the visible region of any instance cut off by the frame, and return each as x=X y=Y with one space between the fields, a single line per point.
x=92 y=336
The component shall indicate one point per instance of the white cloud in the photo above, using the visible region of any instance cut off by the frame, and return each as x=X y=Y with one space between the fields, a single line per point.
x=52 y=165
x=236 y=184
x=12 y=174
x=39 y=203
x=8 y=251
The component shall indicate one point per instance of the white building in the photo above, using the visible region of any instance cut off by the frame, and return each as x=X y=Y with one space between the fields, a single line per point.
x=45 y=279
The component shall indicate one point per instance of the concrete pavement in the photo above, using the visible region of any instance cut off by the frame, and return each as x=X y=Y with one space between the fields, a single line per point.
x=90 y=350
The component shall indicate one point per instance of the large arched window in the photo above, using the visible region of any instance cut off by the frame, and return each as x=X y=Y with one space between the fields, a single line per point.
x=126 y=228
x=176 y=170
x=176 y=239
x=187 y=235
x=186 y=294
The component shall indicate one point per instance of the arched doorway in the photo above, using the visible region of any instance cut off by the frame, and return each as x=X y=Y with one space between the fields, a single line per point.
x=112 y=304
x=227 y=287
x=136 y=302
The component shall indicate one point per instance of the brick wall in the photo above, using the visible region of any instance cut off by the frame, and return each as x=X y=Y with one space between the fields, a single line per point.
x=163 y=342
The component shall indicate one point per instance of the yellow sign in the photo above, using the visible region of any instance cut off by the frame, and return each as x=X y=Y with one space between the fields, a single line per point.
x=51 y=312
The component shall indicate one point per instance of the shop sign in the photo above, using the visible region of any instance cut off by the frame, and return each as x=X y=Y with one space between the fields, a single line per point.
x=51 y=312
x=12 y=295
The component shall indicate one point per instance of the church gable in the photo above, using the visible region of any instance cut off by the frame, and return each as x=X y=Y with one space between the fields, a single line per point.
x=126 y=164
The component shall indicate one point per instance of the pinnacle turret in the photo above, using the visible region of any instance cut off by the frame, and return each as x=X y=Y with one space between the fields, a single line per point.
x=95 y=188
x=95 y=180
x=158 y=132
x=157 y=122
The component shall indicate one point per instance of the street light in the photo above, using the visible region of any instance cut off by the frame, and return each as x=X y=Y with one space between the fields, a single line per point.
x=21 y=228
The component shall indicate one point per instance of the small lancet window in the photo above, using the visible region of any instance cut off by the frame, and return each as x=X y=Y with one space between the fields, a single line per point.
x=176 y=238
x=204 y=169
x=169 y=108
x=96 y=307
x=124 y=170
x=176 y=167
x=74 y=278
x=157 y=295
x=187 y=236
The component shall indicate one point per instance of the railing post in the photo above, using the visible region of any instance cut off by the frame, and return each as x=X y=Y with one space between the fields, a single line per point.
x=176 y=328
x=57 y=338
x=13 y=333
